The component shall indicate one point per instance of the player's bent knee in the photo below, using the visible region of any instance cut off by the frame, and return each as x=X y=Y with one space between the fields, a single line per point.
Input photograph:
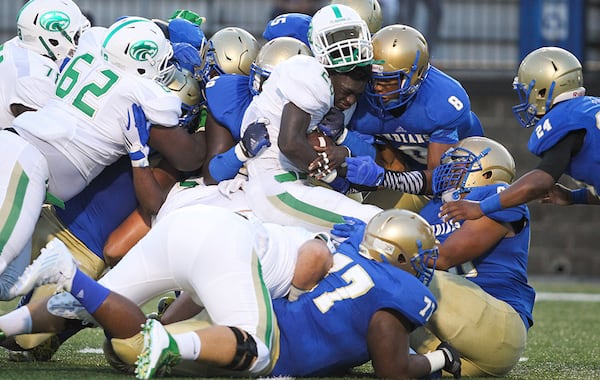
x=250 y=355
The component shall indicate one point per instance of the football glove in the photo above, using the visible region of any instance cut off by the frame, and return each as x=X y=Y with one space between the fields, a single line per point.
x=255 y=139
x=187 y=56
x=364 y=170
x=353 y=230
x=452 y=357
x=136 y=135
x=332 y=125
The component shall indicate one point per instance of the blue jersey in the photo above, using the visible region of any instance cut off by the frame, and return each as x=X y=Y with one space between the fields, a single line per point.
x=564 y=117
x=501 y=272
x=439 y=112
x=288 y=25
x=325 y=330
x=101 y=207
x=227 y=97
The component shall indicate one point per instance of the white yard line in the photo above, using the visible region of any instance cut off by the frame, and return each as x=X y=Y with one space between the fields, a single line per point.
x=577 y=297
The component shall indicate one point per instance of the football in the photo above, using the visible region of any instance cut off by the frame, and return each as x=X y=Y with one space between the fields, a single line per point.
x=317 y=138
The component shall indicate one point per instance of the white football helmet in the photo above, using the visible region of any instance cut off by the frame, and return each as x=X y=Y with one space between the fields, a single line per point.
x=546 y=76
x=51 y=27
x=404 y=239
x=474 y=161
x=187 y=87
x=138 y=46
x=270 y=55
x=230 y=50
x=340 y=38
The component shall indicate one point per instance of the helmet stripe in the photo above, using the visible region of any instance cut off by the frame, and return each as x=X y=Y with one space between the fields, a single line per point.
x=109 y=36
x=336 y=11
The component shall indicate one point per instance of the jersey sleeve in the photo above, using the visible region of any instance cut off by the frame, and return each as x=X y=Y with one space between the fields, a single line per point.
x=34 y=91
x=552 y=128
x=161 y=106
x=306 y=83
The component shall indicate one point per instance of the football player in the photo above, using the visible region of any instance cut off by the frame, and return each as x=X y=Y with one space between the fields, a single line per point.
x=89 y=125
x=234 y=295
x=30 y=62
x=228 y=96
x=549 y=83
x=475 y=296
x=299 y=93
x=414 y=110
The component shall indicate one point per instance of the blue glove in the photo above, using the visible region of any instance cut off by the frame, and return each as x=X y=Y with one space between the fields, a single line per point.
x=182 y=30
x=136 y=134
x=255 y=139
x=353 y=230
x=186 y=55
x=364 y=171
x=332 y=124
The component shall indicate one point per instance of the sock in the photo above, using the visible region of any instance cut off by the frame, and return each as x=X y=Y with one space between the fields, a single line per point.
x=16 y=322
x=189 y=345
x=436 y=359
x=88 y=292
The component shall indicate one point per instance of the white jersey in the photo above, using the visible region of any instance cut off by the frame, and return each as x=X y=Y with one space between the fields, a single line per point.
x=84 y=122
x=26 y=78
x=301 y=80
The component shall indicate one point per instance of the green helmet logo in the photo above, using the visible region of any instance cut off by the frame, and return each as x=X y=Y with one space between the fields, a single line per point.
x=143 y=50
x=55 y=21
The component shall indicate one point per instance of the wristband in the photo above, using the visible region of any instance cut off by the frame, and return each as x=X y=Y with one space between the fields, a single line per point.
x=342 y=137
x=239 y=153
x=579 y=196
x=141 y=163
x=490 y=204
x=330 y=177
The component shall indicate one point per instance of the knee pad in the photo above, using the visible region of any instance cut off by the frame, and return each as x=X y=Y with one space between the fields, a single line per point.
x=245 y=352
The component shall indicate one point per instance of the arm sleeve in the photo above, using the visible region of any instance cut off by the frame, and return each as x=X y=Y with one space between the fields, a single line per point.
x=556 y=159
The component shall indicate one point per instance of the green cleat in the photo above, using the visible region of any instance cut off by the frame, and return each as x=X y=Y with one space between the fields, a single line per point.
x=160 y=351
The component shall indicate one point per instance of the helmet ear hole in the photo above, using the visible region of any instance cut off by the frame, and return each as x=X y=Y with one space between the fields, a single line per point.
x=488 y=174
x=141 y=71
x=53 y=42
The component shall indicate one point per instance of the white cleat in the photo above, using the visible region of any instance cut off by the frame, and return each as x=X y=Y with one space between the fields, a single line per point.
x=160 y=351
x=55 y=265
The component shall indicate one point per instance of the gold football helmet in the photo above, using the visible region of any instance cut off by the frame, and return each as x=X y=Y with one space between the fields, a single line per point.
x=368 y=10
x=270 y=55
x=187 y=87
x=544 y=76
x=404 y=239
x=401 y=64
x=230 y=50
x=474 y=161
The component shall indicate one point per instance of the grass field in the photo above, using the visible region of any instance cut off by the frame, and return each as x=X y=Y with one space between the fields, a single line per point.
x=563 y=344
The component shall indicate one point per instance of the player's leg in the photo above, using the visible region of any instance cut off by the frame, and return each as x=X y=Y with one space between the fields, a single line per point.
x=466 y=313
x=22 y=192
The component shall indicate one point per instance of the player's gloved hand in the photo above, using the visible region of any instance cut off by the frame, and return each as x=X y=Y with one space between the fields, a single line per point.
x=136 y=135
x=186 y=55
x=353 y=230
x=452 y=357
x=184 y=30
x=332 y=125
x=254 y=141
x=364 y=170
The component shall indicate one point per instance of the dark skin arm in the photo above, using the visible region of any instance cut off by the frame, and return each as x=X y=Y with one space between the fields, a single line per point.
x=434 y=153
x=388 y=343
x=184 y=151
x=292 y=137
x=461 y=247
x=137 y=224
x=533 y=185
x=218 y=140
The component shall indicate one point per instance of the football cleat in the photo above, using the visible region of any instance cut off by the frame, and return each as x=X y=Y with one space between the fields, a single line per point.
x=40 y=353
x=55 y=265
x=160 y=351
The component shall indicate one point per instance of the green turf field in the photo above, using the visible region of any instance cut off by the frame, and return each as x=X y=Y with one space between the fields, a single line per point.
x=563 y=344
